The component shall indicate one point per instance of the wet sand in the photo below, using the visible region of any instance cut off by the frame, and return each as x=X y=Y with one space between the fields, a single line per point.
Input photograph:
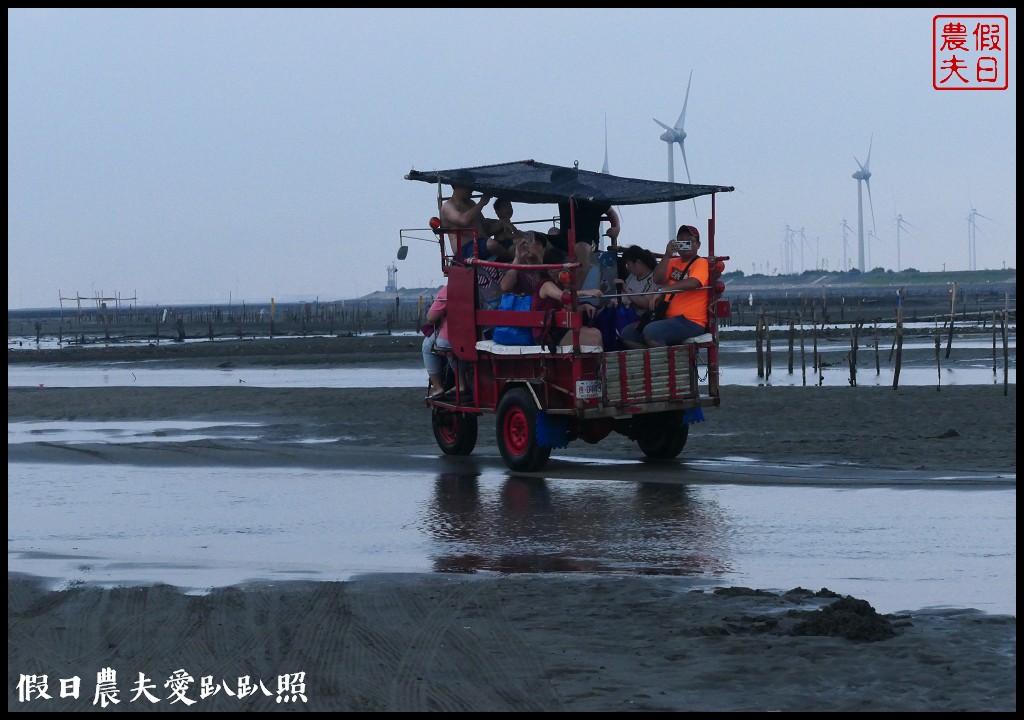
x=453 y=642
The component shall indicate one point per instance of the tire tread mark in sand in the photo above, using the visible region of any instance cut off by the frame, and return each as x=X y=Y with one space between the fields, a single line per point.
x=66 y=646
x=408 y=690
x=381 y=611
x=485 y=643
x=226 y=639
x=527 y=690
x=317 y=648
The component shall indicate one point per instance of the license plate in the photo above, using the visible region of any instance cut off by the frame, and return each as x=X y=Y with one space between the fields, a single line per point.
x=588 y=389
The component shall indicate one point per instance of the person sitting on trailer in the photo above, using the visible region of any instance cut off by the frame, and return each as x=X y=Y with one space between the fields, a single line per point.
x=437 y=349
x=683 y=271
x=503 y=232
x=588 y=231
x=552 y=295
x=638 y=287
x=459 y=211
x=529 y=250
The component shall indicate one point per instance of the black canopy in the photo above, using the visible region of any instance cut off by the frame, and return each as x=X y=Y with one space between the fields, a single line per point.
x=528 y=181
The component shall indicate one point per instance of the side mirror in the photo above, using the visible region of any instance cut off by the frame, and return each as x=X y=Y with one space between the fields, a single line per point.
x=403 y=251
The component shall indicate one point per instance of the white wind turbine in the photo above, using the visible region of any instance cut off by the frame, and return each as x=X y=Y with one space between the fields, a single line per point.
x=900 y=222
x=846 y=246
x=671 y=136
x=604 y=168
x=787 y=250
x=863 y=175
x=803 y=244
x=972 y=236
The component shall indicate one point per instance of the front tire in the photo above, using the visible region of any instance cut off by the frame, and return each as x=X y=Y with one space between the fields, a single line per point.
x=455 y=433
x=661 y=436
x=516 y=431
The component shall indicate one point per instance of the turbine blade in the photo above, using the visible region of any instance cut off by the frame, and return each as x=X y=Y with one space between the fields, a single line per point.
x=686 y=100
x=662 y=124
x=682 y=149
x=872 y=204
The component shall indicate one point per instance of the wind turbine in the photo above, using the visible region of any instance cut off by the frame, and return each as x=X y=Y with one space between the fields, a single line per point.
x=846 y=246
x=604 y=168
x=803 y=244
x=671 y=136
x=972 y=236
x=787 y=250
x=900 y=222
x=863 y=175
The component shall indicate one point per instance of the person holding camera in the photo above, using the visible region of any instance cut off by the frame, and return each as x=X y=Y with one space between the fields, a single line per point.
x=684 y=276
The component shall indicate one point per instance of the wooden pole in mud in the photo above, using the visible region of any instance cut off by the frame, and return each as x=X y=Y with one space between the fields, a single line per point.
x=938 y=365
x=878 y=364
x=814 y=338
x=767 y=352
x=1006 y=357
x=854 y=340
x=792 y=332
x=899 y=347
x=758 y=339
x=952 y=317
x=995 y=330
x=803 y=358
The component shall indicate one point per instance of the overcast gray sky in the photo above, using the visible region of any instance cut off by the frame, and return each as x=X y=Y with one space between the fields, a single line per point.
x=208 y=156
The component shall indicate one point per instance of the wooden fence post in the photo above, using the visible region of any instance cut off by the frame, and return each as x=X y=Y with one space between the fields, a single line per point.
x=792 y=332
x=952 y=317
x=758 y=339
x=899 y=348
x=803 y=357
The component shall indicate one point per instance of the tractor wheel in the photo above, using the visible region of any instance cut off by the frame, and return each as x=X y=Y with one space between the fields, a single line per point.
x=661 y=436
x=454 y=432
x=516 y=430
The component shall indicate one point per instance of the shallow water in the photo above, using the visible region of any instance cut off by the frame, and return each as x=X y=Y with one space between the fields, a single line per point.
x=900 y=549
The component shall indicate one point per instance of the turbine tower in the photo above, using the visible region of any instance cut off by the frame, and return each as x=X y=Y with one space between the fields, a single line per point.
x=863 y=175
x=671 y=136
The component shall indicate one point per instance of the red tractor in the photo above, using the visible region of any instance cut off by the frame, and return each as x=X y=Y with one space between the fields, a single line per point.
x=543 y=395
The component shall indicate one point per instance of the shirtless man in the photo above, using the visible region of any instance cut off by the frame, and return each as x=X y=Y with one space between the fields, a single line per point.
x=459 y=211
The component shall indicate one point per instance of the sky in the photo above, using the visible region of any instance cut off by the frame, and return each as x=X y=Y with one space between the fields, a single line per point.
x=213 y=156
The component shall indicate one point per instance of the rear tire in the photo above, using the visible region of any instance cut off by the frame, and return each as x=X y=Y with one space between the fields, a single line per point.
x=455 y=433
x=516 y=431
x=661 y=436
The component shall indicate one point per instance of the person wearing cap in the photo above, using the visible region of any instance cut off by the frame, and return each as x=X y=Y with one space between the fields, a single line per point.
x=684 y=276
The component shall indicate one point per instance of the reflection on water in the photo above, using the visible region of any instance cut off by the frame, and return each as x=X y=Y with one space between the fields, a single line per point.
x=213 y=526
x=529 y=527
